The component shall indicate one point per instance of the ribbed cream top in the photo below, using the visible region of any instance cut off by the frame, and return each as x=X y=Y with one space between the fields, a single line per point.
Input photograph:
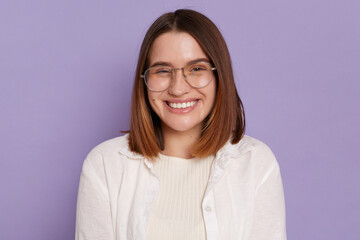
x=176 y=213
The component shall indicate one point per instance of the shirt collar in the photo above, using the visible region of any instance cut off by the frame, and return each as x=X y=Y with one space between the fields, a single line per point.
x=126 y=151
x=229 y=150
x=222 y=157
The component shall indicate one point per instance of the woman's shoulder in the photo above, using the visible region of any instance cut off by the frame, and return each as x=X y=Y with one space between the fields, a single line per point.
x=112 y=150
x=248 y=144
x=109 y=159
x=258 y=151
x=251 y=153
x=258 y=145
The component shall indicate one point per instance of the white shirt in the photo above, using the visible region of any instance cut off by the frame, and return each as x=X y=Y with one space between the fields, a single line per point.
x=244 y=198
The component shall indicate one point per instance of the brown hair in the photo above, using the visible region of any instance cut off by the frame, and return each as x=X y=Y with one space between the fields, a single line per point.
x=226 y=120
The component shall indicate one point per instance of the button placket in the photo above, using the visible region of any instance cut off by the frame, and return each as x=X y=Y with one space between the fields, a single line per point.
x=210 y=219
x=152 y=191
x=208 y=208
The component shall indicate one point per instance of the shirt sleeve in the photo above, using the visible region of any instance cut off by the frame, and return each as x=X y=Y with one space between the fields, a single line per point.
x=93 y=215
x=269 y=209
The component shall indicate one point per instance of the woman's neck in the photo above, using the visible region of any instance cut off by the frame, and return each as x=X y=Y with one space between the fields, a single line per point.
x=179 y=144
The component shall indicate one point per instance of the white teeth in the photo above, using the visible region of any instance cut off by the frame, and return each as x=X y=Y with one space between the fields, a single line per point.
x=182 y=105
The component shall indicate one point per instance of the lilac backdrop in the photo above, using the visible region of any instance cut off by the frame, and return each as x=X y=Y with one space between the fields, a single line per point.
x=66 y=70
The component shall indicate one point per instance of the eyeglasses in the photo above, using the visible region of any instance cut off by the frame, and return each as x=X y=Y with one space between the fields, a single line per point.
x=197 y=75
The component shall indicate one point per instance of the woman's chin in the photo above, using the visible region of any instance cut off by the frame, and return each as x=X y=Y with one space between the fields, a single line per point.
x=182 y=127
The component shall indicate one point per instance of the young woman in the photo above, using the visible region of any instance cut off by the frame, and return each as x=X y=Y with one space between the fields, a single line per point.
x=185 y=170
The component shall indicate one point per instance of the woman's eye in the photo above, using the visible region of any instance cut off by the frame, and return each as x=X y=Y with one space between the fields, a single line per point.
x=197 y=68
x=162 y=71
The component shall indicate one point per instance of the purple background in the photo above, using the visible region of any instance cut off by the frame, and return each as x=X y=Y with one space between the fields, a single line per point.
x=66 y=72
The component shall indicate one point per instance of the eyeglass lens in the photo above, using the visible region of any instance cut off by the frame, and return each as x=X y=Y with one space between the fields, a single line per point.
x=198 y=75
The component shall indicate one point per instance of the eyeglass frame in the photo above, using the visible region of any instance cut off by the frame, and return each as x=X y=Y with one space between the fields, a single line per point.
x=172 y=75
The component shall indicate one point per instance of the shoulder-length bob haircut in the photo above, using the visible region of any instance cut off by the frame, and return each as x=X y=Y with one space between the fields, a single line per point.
x=226 y=120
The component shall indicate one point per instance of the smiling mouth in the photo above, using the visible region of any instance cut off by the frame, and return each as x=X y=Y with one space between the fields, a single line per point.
x=182 y=105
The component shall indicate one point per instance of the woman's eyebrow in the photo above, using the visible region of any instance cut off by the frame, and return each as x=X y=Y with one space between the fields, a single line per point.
x=198 y=60
x=167 y=64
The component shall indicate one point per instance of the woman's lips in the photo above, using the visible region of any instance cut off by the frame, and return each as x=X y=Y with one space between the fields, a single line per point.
x=181 y=106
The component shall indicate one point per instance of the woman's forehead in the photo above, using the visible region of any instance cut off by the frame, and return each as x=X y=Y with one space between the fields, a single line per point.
x=175 y=48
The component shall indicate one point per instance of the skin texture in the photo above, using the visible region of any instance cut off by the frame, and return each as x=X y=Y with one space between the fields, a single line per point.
x=181 y=129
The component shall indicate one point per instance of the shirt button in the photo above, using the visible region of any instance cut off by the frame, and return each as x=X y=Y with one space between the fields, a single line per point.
x=208 y=208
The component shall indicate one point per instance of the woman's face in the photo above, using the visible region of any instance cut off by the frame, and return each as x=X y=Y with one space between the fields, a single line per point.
x=177 y=49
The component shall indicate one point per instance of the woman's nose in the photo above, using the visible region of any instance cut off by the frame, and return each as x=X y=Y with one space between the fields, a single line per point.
x=178 y=85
